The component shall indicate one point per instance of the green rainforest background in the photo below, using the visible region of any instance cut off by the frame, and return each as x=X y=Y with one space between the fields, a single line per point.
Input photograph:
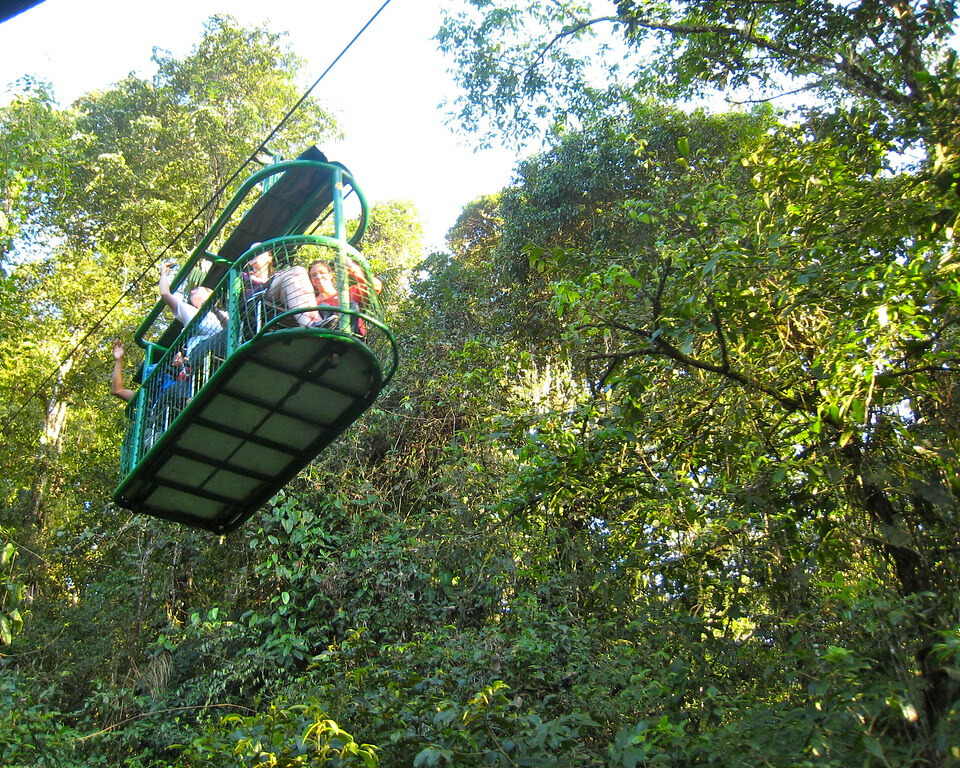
x=668 y=475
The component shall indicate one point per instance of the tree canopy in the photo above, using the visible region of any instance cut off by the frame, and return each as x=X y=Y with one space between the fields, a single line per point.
x=668 y=474
x=523 y=63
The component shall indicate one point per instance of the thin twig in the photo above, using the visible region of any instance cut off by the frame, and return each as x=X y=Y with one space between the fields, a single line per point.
x=162 y=712
x=720 y=338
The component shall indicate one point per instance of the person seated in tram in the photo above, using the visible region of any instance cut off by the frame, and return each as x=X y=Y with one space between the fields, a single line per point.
x=170 y=392
x=325 y=290
x=214 y=321
x=289 y=288
x=179 y=373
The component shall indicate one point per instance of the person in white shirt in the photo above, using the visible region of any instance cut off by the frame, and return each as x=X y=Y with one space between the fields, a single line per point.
x=214 y=321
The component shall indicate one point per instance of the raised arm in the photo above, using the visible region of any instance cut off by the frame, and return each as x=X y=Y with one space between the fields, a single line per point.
x=163 y=284
x=116 y=379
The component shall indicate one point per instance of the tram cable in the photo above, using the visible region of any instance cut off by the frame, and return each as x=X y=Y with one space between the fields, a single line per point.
x=215 y=196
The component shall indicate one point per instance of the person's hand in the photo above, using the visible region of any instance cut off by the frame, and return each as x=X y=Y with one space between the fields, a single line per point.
x=166 y=274
x=118 y=350
x=353 y=269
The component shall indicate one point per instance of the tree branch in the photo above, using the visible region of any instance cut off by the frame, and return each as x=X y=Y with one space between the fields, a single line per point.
x=909 y=54
x=656 y=302
x=666 y=348
x=163 y=712
x=869 y=81
x=662 y=347
x=721 y=341
x=567 y=32
x=922 y=369
x=781 y=95
x=614 y=359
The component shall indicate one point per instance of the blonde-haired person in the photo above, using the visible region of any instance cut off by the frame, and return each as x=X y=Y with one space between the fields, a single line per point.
x=214 y=322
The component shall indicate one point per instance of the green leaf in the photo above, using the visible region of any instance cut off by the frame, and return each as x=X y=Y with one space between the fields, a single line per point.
x=428 y=757
x=874 y=747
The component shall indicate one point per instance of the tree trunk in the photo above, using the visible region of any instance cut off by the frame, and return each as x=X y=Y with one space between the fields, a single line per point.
x=47 y=482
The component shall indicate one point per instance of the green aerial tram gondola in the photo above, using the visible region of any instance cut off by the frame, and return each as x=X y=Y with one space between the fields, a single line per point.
x=225 y=417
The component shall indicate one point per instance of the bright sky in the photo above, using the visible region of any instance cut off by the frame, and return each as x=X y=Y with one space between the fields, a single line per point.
x=386 y=89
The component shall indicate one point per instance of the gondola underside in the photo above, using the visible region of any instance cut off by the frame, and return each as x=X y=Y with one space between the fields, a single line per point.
x=272 y=406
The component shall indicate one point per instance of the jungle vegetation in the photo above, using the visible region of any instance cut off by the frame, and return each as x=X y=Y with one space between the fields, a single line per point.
x=669 y=473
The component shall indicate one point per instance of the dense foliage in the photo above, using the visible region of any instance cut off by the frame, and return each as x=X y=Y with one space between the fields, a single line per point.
x=669 y=473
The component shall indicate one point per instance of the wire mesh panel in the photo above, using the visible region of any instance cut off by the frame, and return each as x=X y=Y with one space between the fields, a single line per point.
x=286 y=283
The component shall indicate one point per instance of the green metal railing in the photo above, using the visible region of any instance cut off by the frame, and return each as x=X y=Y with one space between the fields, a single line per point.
x=241 y=311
